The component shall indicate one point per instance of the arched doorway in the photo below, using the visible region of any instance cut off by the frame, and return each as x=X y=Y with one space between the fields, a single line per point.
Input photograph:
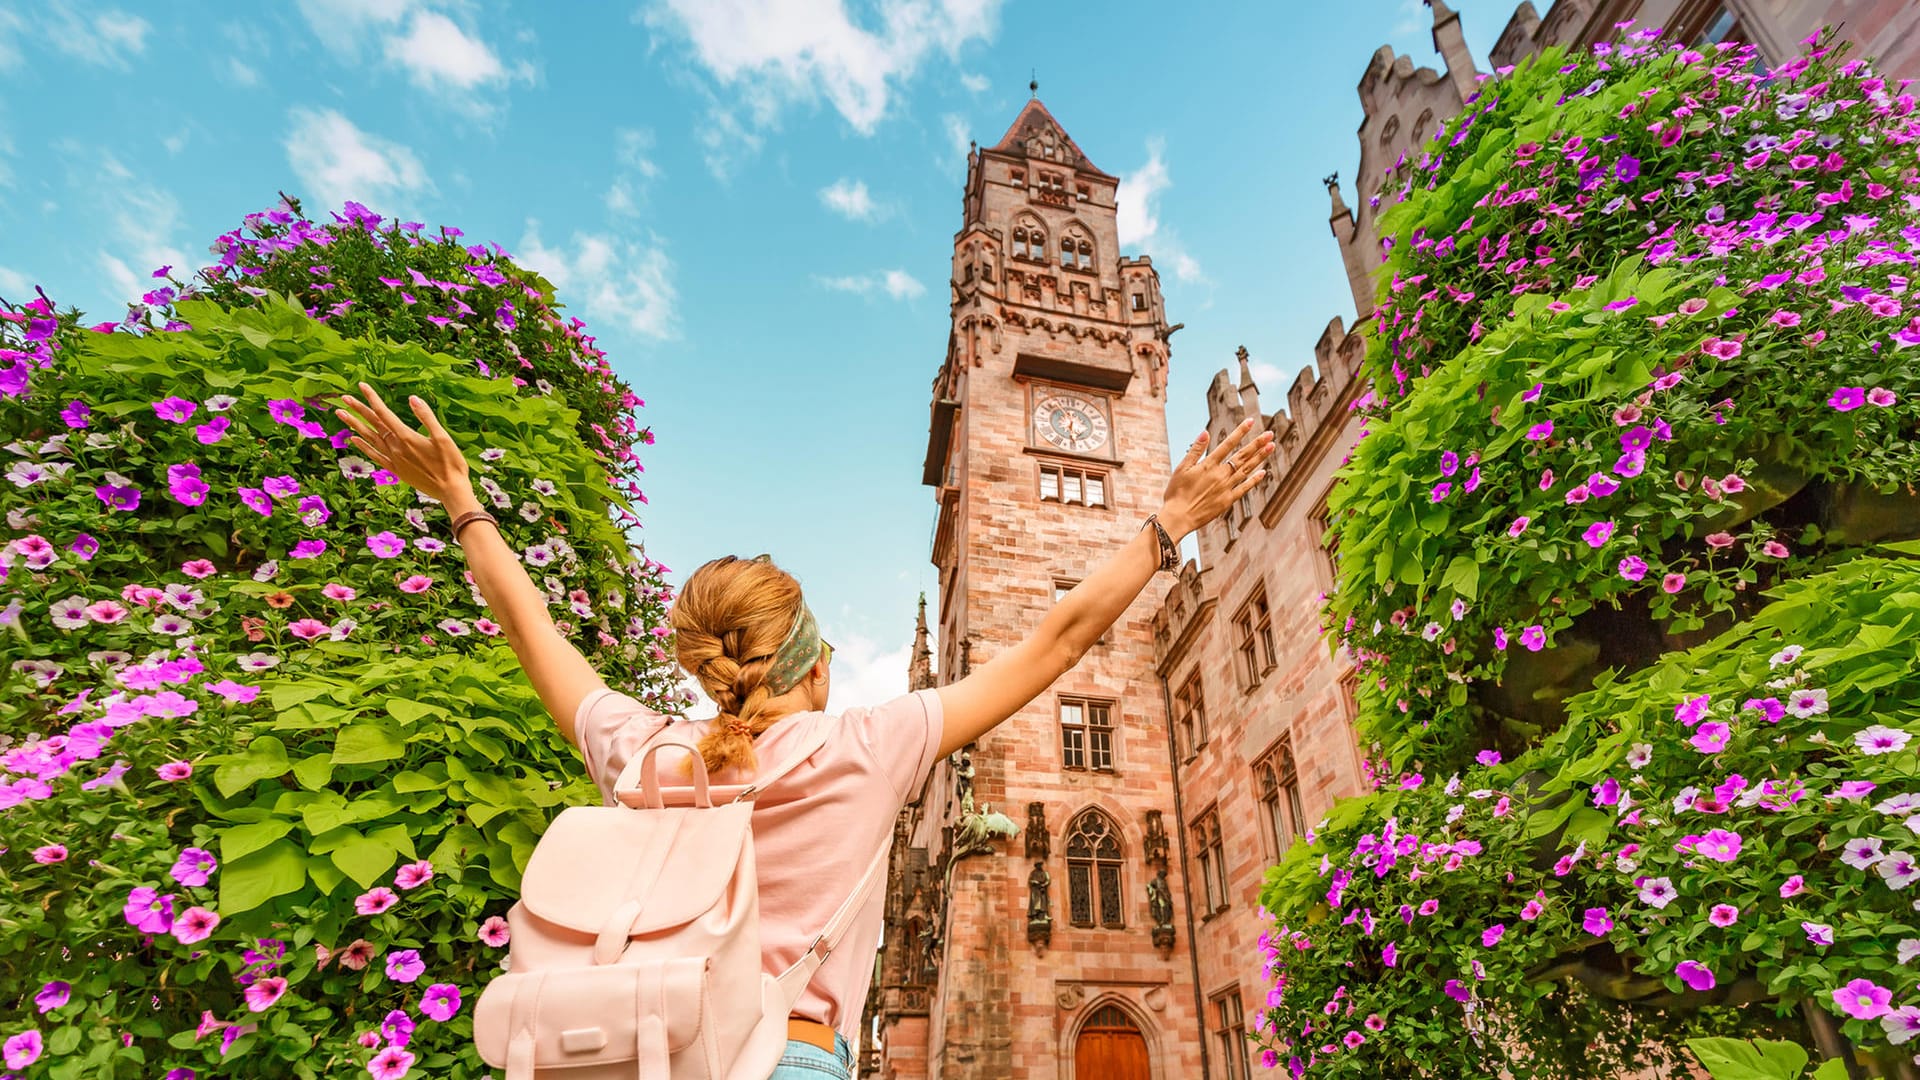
x=1110 y=1047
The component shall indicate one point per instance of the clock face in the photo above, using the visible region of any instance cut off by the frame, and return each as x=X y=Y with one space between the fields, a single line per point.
x=1070 y=422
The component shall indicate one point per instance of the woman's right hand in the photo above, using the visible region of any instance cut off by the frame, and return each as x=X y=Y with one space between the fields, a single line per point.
x=1204 y=484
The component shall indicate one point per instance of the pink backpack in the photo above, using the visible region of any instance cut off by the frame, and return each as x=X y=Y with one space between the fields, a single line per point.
x=636 y=942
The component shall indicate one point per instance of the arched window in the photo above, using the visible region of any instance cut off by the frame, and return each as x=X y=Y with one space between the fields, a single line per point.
x=1076 y=249
x=1086 y=254
x=1029 y=241
x=1093 y=871
x=1066 y=252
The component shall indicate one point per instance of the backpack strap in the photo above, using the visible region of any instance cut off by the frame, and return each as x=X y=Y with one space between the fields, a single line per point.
x=795 y=979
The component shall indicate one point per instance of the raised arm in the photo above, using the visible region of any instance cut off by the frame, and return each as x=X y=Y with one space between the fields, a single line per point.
x=434 y=465
x=1202 y=487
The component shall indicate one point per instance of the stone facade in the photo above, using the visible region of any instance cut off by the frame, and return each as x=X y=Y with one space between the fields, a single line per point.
x=1230 y=716
x=1048 y=447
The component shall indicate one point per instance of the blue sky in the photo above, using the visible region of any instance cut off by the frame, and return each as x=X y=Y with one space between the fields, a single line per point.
x=751 y=201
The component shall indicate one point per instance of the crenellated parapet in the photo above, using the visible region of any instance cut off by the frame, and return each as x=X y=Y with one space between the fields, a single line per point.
x=1181 y=615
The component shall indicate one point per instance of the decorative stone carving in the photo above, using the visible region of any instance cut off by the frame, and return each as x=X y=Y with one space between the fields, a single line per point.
x=1039 y=913
x=1156 y=998
x=1070 y=996
x=1160 y=908
x=963 y=782
x=1039 y=844
x=1156 y=842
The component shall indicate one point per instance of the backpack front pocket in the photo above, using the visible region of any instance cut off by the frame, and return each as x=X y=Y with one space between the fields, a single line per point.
x=640 y=1019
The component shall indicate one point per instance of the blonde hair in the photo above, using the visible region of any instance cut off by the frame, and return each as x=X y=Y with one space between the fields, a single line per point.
x=728 y=622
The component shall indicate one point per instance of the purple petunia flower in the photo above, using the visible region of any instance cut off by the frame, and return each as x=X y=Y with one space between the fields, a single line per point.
x=1491 y=935
x=1711 y=737
x=1863 y=999
x=1597 y=921
x=405 y=965
x=1695 y=974
x=385 y=544
x=53 y=995
x=1598 y=534
x=307 y=549
x=176 y=410
x=1534 y=638
x=257 y=501
x=1540 y=431
x=118 y=497
x=1847 y=398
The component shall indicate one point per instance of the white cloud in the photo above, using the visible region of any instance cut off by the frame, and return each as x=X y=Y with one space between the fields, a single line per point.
x=9 y=33
x=437 y=53
x=975 y=84
x=242 y=73
x=1137 y=215
x=145 y=223
x=726 y=142
x=865 y=673
x=631 y=147
x=14 y=285
x=338 y=161
x=608 y=278
x=778 y=51
x=1411 y=15
x=105 y=38
x=958 y=136
x=897 y=284
x=1267 y=375
x=851 y=200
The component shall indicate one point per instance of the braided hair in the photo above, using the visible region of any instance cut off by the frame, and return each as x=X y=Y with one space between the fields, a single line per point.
x=728 y=622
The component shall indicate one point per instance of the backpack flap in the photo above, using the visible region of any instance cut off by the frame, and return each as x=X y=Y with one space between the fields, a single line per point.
x=596 y=862
x=638 y=1015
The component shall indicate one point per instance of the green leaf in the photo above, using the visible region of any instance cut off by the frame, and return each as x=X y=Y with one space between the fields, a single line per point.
x=243 y=840
x=264 y=758
x=246 y=883
x=361 y=744
x=408 y=711
x=1831 y=1069
x=314 y=772
x=364 y=859
x=1738 y=1059
x=409 y=782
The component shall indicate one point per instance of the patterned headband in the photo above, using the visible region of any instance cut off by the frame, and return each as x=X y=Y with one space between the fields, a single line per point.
x=796 y=656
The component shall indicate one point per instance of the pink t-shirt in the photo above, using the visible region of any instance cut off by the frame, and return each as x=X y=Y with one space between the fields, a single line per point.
x=814 y=831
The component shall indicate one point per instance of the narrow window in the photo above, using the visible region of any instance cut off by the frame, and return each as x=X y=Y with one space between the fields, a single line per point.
x=1070 y=487
x=1073 y=735
x=1229 y=1032
x=1100 y=737
x=1086 y=255
x=1212 y=858
x=1049 y=483
x=1066 y=251
x=1139 y=301
x=1249 y=659
x=1096 y=490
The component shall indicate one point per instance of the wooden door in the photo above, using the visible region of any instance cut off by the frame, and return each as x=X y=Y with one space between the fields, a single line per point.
x=1110 y=1047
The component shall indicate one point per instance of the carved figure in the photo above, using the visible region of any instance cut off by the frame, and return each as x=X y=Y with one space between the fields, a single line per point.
x=1160 y=909
x=1039 y=844
x=1156 y=840
x=1039 y=915
x=963 y=783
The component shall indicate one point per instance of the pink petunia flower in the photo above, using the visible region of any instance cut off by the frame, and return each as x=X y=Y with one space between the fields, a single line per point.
x=1540 y=431
x=1818 y=933
x=1793 y=886
x=308 y=629
x=23 y=1049
x=385 y=544
x=148 y=911
x=1882 y=397
x=494 y=932
x=1598 y=534
x=174 y=771
x=1723 y=915
x=397 y=1029
x=1711 y=737
x=356 y=956
x=1863 y=999
x=375 y=900
x=1534 y=638
x=1673 y=583
x=1597 y=922
x=391 y=1063
x=262 y=993
x=194 y=866
x=1491 y=935
x=416 y=583
x=196 y=924
x=50 y=854
x=414 y=874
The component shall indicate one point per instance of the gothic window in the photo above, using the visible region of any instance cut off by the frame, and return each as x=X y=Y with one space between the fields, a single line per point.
x=1190 y=718
x=1255 y=626
x=1229 y=1033
x=1086 y=734
x=1093 y=871
x=1076 y=250
x=1029 y=241
x=1212 y=856
x=1139 y=301
x=1278 y=780
x=1018 y=178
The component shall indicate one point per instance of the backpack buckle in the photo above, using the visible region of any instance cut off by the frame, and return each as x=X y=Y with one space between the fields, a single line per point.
x=745 y=793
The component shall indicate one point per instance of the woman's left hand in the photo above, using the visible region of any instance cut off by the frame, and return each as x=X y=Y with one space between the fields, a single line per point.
x=431 y=464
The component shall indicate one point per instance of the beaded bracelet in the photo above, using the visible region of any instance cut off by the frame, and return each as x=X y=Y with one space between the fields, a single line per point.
x=469 y=518
x=1169 y=554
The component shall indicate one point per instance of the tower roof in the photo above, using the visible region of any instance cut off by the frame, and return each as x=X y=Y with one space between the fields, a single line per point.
x=1034 y=129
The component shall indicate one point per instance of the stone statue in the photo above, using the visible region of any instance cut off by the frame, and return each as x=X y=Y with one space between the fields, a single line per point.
x=1039 y=917
x=1039 y=843
x=977 y=831
x=1156 y=840
x=1037 y=883
x=1160 y=909
x=963 y=783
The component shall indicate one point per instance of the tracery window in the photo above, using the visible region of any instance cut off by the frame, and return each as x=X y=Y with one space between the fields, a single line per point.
x=1029 y=241
x=1093 y=871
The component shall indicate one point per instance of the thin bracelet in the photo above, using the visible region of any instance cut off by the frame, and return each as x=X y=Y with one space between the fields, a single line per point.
x=469 y=518
x=1169 y=554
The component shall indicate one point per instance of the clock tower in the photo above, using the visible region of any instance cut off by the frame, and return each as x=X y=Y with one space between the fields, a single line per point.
x=1055 y=953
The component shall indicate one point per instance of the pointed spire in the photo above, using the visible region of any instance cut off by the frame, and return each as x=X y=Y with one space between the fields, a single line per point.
x=1339 y=211
x=920 y=668
x=1249 y=393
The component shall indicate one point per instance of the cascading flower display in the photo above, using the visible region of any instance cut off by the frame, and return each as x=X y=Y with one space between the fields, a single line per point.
x=1636 y=695
x=268 y=773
